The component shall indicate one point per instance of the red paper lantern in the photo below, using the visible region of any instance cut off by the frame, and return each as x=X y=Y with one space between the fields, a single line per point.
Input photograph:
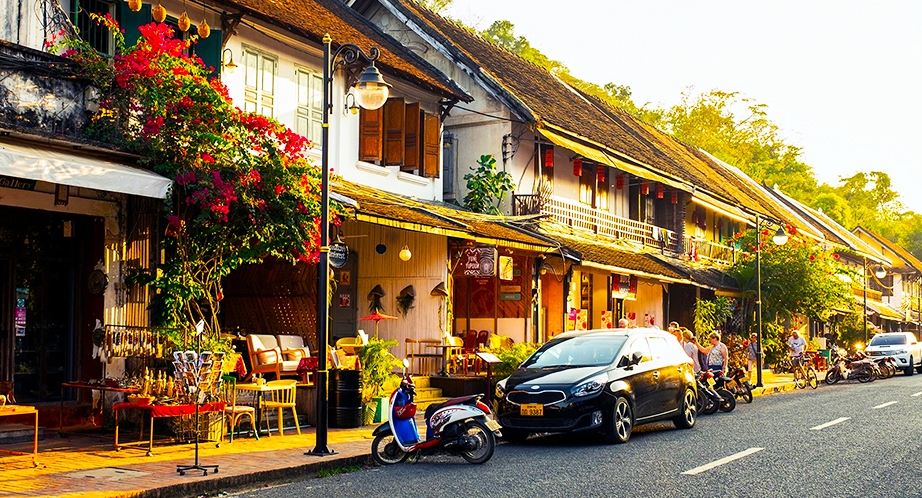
x=549 y=157
x=659 y=191
x=644 y=188
x=675 y=196
x=632 y=285
x=577 y=167
x=619 y=182
x=600 y=173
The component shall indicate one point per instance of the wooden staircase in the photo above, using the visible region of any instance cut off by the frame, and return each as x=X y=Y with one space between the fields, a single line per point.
x=426 y=394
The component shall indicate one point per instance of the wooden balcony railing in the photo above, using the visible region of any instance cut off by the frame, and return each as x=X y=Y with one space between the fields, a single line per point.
x=577 y=215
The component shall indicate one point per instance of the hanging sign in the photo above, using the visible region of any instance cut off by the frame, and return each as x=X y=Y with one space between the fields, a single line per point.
x=339 y=253
x=478 y=261
x=624 y=287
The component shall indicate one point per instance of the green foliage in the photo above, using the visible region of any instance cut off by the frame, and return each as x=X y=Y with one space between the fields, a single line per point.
x=434 y=5
x=487 y=187
x=378 y=366
x=710 y=315
x=511 y=358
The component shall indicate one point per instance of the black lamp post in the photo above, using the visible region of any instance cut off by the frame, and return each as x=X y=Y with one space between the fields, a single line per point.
x=880 y=273
x=780 y=238
x=371 y=92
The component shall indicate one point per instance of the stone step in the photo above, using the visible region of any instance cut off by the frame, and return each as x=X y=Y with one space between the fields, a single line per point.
x=421 y=382
x=423 y=404
x=427 y=393
x=19 y=433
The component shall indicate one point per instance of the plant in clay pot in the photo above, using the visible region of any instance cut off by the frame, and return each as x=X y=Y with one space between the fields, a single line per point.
x=378 y=366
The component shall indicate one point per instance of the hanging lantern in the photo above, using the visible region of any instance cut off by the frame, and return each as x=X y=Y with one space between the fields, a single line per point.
x=158 y=13
x=204 y=29
x=659 y=191
x=134 y=5
x=549 y=157
x=619 y=182
x=184 y=22
x=577 y=167
x=675 y=196
x=644 y=188
x=632 y=286
x=601 y=173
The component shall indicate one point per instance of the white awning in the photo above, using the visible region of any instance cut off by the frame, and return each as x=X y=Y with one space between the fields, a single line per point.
x=22 y=161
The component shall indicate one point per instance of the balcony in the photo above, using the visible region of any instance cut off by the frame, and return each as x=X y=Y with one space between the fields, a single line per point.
x=583 y=217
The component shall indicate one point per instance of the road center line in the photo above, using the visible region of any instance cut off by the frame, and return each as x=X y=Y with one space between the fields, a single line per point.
x=917 y=394
x=886 y=404
x=717 y=463
x=830 y=424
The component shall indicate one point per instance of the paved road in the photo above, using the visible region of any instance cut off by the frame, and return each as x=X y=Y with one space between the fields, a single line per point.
x=845 y=440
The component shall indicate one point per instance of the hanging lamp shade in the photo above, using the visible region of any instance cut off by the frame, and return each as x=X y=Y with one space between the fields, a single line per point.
x=204 y=29
x=134 y=5
x=371 y=91
x=376 y=291
x=407 y=291
x=184 y=22
x=158 y=13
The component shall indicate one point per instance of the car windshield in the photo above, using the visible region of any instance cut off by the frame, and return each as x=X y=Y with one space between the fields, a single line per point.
x=888 y=340
x=582 y=351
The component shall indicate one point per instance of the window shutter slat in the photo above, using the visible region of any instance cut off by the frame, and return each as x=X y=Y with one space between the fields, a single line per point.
x=394 y=118
x=371 y=124
x=431 y=144
x=412 y=153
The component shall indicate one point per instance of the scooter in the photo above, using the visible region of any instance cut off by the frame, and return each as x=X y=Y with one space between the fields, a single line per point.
x=737 y=383
x=712 y=399
x=462 y=426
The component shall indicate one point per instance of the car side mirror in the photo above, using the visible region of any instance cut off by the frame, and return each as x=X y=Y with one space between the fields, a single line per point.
x=636 y=357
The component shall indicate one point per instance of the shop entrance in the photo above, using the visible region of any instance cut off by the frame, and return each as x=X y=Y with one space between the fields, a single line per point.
x=39 y=262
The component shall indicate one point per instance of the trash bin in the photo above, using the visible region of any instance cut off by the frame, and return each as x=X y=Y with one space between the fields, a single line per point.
x=826 y=355
x=345 y=408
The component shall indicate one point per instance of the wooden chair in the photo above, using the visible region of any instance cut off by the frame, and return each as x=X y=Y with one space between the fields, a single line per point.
x=234 y=413
x=457 y=357
x=281 y=395
x=429 y=358
x=483 y=338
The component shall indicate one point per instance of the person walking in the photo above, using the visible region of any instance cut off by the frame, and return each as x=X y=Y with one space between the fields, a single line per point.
x=676 y=331
x=691 y=349
x=752 y=355
x=717 y=354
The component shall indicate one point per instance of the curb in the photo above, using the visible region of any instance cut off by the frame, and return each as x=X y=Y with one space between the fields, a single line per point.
x=214 y=485
x=763 y=391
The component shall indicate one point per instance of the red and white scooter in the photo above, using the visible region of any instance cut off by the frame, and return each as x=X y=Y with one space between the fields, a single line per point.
x=461 y=426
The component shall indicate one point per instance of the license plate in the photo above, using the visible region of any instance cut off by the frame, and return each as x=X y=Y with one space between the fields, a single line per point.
x=493 y=425
x=531 y=410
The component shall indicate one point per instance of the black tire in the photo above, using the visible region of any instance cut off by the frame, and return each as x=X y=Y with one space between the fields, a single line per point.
x=513 y=436
x=728 y=402
x=910 y=370
x=710 y=404
x=833 y=376
x=483 y=440
x=688 y=411
x=622 y=422
x=812 y=380
x=864 y=376
x=745 y=393
x=385 y=450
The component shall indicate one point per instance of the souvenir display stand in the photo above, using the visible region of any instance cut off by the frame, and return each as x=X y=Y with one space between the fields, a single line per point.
x=198 y=377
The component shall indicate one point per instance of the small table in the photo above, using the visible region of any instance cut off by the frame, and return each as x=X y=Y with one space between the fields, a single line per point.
x=95 y=387
x=259 y=389
x=158 y=411
x=445 y=349
x=17 y=410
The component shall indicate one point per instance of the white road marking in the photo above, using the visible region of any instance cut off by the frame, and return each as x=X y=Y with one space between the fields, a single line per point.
x=717 y=463
x=918 y=394
x=829 y=424
x=886 y=404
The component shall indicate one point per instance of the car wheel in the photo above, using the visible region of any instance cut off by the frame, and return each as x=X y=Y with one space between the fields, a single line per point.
x=622 y=422
x=514 y=436
x=688 y=411
x=910 y=369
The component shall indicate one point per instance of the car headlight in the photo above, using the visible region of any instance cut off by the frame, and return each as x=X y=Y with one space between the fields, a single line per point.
x=591 y=386
x=501 y=388
x=900 y=351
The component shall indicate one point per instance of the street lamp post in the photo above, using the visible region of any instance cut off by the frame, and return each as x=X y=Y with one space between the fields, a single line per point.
x=371 y=92
x=879 y=272
x=780 y=238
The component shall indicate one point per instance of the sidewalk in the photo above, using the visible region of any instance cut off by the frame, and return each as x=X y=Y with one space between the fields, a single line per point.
x=87 y=465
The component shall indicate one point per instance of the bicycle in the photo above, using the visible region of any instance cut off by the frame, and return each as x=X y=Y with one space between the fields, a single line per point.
x=804 y=372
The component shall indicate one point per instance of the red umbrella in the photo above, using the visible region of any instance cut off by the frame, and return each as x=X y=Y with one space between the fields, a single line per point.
x=377 y=317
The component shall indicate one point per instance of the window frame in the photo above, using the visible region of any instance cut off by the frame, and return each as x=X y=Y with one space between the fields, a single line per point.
x=256 y=98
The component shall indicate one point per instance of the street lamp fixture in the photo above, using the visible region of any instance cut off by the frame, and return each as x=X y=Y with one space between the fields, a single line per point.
x=780 y=238
x=371 y=92
x=880 y=273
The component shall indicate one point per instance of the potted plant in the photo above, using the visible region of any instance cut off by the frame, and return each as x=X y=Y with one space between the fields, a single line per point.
x=377 y=371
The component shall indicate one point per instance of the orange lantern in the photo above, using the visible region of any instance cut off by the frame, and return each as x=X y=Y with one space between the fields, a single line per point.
x=158 y=13
x=619 y=182
x=204 y=29
x=659 y=191
x=600 y=173
x=184 y=22
x=644 y=188
x=549 y=157
x=134 y=5
x=577 y=167
x=675 y=196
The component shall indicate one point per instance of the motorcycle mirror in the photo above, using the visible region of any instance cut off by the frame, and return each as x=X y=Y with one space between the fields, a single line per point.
x=406 y=363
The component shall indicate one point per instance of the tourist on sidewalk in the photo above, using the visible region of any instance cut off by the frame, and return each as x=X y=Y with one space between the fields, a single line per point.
x=752 y=355
x=717 y=354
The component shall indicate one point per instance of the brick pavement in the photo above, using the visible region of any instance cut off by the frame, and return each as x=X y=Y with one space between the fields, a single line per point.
x=87 y=465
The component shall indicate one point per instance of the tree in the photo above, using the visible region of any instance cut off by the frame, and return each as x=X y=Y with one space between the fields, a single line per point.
x=435 y=5
x=243 y=187
x=834 y=206
x=487 y=187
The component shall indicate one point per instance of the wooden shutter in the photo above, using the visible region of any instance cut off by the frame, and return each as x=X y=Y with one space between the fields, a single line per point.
x=394 y=116
x=209 y=50
x=431 y=144
x=411 y=149
x=131 y=21
x=371 y=129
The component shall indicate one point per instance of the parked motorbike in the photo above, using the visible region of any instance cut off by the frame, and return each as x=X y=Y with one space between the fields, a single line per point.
x=737 y=383
x=887 y=366
x=462 y=426
x=710 y=398
x=857 y=368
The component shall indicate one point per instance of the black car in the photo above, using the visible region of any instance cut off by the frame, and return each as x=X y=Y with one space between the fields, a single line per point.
x=599 y=380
